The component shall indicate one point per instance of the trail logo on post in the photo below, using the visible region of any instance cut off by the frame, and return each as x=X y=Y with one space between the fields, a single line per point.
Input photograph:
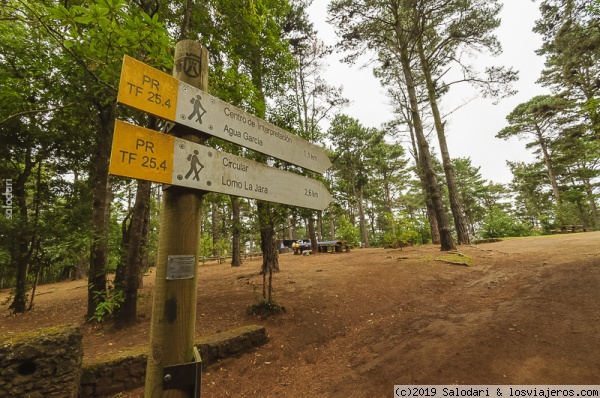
x=191 y=65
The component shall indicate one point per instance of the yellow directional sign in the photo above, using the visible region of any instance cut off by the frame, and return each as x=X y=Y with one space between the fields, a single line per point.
x=146 y=154
x=148 y=89
x=141 y=153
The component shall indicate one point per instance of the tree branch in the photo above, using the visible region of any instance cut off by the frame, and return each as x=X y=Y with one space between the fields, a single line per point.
x=34 y=111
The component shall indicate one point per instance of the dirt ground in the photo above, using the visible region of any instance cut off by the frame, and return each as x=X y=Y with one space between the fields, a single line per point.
x=525 y=312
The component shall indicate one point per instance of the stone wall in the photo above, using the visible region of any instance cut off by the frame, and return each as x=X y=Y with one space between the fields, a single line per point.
x=48 y=363
x=43 y=364
x=127 y=371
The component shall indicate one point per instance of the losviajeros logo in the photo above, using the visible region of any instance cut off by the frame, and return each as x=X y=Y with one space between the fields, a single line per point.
x=8 y=199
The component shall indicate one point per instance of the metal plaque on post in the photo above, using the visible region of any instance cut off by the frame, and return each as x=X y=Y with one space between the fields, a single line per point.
x=181 y=267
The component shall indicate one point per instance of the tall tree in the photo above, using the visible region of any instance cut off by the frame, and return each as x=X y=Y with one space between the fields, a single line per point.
x=477 y=195
x=390 y=26
x=578 y=159
x=260 y=50
x=402 y=109
x=32 y=75
x=352 y=144
x=313 y=99
x=532 y=199
x=570 y=32
x=540 y=118
x=96 y=36
x=449 y=28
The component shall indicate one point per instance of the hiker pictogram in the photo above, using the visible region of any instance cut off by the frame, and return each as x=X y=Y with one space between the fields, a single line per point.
x=199 y=110
x=194 y=163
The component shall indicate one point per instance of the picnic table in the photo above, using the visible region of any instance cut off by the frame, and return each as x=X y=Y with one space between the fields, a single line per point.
x=565 y=229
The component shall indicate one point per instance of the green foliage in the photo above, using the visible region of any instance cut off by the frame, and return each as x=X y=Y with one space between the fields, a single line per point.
x=348 y=232
x=401 y=232
x=498 y=223
x=206 y=246
x=223 y=246
x=108 y=301
x=115 y=237
x=98 y=34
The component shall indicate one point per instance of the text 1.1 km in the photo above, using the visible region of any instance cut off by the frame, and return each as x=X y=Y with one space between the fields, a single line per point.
x=309 y=155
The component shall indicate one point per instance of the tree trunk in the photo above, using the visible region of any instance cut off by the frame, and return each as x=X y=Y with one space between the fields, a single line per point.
x=136 y=253
x=81 y=265
x=215 y=228
x=361 y=217
x=460 y=224
x=433 y=225
x=19 y=304
x=446 y=240
x=332 y=225
x=314 y=243
x=236 y=231
x=145 y=255
x=289 y=229
x=592 y=201
x=549 y=167
x=119 y=281
x=583 y=214
x=320 y=225
x=100 y=210
x=268 y=243
x=270 y=296
x=35 y=283
x=187 y=20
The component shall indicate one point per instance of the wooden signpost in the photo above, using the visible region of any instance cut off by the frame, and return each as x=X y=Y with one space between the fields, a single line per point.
x=190 y=169
x=150 y=90
x=145 y=154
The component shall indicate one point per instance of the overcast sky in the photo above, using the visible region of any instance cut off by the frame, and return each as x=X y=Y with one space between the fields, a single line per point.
x=470 y=130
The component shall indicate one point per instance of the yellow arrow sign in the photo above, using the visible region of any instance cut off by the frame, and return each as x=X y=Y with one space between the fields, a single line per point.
x=141 y=153
x=147 y=89
x=144 y=154
x=150 y=90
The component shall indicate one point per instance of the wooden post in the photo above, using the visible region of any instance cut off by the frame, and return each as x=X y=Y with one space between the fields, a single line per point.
x=172 y=329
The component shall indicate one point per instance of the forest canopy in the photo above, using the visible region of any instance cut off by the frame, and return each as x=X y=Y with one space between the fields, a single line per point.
x=63 y=216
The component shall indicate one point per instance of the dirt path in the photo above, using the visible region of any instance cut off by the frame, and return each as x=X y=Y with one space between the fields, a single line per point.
x=525 y=312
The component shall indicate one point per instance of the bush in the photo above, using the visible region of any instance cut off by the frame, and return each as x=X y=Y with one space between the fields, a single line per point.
x=348 y=232
x=403 y=230
x=498 y=223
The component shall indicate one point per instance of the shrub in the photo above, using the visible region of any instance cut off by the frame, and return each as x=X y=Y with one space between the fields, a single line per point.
x=498 y=223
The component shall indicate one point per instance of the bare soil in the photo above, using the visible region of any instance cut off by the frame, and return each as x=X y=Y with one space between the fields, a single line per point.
x=525 y=312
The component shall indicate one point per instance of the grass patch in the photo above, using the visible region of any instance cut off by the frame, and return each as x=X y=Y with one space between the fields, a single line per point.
x=456 y=259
